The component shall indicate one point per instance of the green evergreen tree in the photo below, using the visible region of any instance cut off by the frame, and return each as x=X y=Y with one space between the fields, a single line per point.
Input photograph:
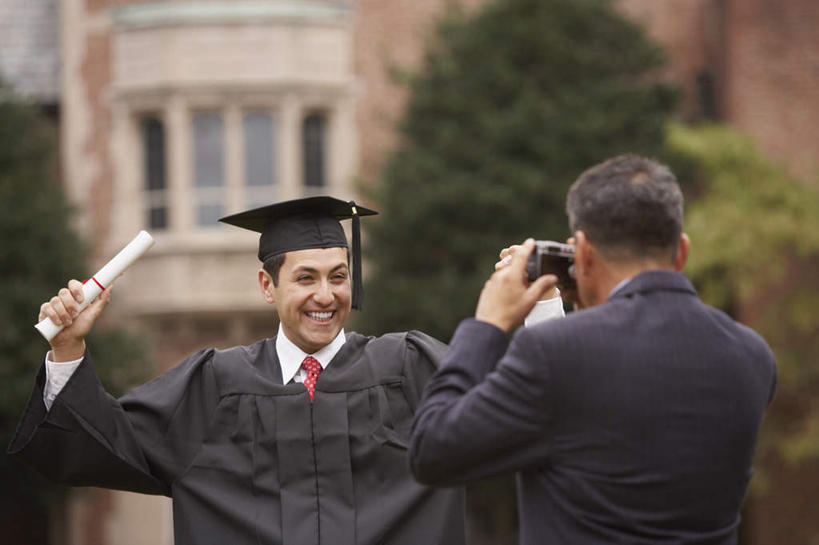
x=510 y=105
x=39 y=253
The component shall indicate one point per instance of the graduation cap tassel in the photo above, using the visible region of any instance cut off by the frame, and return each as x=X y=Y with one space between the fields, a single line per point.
x=358 y=284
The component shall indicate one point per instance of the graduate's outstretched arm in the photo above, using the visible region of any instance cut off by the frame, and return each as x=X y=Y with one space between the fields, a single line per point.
x=140 y=442
x=64 y=309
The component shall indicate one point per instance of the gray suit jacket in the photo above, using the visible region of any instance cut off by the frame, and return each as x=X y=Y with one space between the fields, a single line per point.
x=631 y=422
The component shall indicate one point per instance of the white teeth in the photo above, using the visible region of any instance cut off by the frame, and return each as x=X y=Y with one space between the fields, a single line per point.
x=320 y=315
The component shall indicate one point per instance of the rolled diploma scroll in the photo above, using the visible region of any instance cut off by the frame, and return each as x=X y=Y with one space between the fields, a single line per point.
x=107 y=274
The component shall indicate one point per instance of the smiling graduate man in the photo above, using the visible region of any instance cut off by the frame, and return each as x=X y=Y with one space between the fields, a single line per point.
x=299 y=439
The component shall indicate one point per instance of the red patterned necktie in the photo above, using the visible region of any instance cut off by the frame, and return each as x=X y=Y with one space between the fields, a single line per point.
x=313 y=368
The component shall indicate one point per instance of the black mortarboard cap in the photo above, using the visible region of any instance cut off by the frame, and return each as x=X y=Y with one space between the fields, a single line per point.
x=303 y=224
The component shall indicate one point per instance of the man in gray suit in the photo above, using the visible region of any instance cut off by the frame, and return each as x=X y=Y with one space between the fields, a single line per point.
x=633 y=420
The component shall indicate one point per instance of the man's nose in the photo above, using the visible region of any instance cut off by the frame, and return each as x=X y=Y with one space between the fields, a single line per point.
x=324 y=293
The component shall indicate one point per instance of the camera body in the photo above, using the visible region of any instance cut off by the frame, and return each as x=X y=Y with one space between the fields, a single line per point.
x=551 y=257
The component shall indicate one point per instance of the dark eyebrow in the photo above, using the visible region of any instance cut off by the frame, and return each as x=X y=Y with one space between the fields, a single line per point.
x=339 y=266
x=304 y=268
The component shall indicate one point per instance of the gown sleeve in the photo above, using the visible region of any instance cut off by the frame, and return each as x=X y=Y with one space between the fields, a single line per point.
x=140 y=442
x=422 y=358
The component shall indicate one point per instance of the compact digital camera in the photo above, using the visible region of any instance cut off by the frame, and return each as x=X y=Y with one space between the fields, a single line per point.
x=551 y=257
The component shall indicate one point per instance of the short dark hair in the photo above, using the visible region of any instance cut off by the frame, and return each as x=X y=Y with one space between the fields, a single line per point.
x=629 y=207
x=273 y=265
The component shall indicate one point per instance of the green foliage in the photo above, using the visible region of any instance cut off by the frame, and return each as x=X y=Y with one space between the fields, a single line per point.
x=511 y=104
x=40 y=252
x=38 y=255
x=755 y=253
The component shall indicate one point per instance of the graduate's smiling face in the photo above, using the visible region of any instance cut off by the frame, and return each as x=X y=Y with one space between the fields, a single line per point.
x=312 y=295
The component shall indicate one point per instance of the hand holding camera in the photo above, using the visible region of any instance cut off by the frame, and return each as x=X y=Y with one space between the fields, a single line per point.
x=549 y=257
x=508 y=296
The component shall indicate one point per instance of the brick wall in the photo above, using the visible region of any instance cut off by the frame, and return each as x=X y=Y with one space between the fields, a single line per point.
x=679 y=26
x=388 y=35
x=762 y=58
x=772 y=77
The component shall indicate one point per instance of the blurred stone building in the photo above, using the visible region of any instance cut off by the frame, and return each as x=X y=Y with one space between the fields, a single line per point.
x=175 y=113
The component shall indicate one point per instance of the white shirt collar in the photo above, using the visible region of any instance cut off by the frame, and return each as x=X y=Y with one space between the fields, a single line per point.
x=291 y=356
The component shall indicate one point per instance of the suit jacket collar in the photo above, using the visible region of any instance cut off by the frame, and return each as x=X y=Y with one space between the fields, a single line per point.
x=656 y=281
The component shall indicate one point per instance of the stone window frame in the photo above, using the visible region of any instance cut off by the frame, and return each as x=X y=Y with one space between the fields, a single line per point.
x=288 y=110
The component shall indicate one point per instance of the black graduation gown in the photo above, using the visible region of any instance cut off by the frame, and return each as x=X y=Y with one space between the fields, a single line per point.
x=249 y=460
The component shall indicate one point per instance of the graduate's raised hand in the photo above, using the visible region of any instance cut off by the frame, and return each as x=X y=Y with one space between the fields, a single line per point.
x=507 y=296
x=64 y=309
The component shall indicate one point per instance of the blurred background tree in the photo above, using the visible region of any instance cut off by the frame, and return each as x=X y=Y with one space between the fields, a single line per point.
x=511 y=104
x=40 y=252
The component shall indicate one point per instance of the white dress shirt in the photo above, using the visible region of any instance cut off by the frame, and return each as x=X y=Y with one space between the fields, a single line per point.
x=291 y=356
x=545 y=310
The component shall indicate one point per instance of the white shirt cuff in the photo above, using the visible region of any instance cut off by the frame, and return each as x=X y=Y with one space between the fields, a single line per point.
x=545 y=310
x=57 y=375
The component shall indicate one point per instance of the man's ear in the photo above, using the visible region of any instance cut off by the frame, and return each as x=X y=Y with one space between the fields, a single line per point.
x=267 y=287
x=681 y=257
x=583 y=254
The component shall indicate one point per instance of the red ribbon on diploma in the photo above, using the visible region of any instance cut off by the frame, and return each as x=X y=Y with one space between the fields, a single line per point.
x=95 y=282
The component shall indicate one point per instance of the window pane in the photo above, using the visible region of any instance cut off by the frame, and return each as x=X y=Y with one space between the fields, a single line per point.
x=209 y=214
x=208 y=167
x=208 y=150
x=259 y=149
x=259 y=196
x=313 y=132
x=210 y=205
x=260 y=159
x=153 y=137
x=153 y=151
x=158 y=218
